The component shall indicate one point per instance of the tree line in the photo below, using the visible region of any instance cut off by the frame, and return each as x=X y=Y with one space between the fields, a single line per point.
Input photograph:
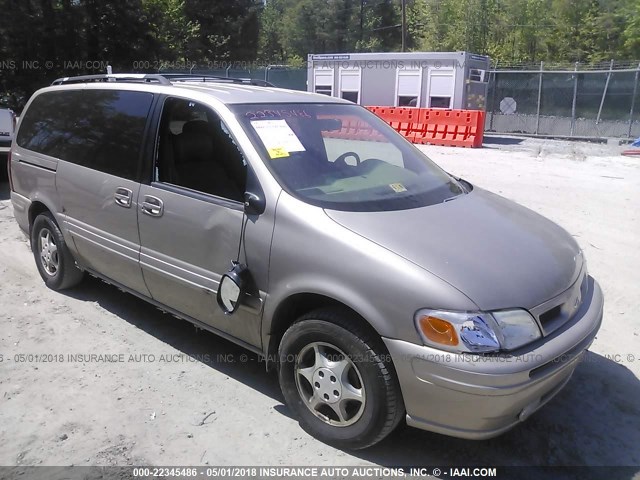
x=43 y=39
x=509 y=31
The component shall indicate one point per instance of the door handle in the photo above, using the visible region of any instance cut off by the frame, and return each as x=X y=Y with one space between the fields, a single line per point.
x=152 y=206
x=122 y=197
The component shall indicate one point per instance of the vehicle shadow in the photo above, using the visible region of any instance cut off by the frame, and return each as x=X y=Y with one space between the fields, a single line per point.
x=206 y=347
x=594 y=420
x=500 y=140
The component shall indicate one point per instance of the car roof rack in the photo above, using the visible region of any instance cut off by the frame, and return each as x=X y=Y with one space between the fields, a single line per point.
x=195 y=77
x=114 y=77
x=161 y=78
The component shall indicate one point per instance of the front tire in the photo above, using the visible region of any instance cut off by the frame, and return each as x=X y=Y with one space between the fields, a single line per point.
x=337 y=379
x=55 y=262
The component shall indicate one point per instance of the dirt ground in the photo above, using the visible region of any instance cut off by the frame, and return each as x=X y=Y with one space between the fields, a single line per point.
x=175 y=396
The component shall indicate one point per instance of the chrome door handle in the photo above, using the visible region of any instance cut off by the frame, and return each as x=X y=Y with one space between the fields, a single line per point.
x=152 y=206
x=122 y=197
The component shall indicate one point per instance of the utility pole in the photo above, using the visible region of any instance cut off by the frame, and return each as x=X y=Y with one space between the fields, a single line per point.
x=361 y=21
x=404 y=25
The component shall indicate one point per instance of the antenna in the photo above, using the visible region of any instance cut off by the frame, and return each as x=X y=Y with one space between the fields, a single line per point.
x=241 y=243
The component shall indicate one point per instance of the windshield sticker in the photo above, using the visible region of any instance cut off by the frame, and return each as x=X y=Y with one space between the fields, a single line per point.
x=397 y=187
x=277 y=137
x=277 y=152
x=264 y=114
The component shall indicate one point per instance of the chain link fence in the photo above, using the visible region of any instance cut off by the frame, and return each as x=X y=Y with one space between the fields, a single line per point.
x=579 y=102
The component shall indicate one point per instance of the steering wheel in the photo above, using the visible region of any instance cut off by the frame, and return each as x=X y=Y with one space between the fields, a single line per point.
x=341 y=159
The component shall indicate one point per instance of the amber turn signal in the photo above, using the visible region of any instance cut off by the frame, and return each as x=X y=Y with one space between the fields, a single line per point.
x=438 y=330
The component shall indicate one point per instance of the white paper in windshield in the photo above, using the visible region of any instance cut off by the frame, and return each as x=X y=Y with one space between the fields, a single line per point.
x=277 y=137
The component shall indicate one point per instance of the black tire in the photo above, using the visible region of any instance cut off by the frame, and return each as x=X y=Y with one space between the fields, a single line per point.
x=382 y=408
x=4 y=167
x=66 y=274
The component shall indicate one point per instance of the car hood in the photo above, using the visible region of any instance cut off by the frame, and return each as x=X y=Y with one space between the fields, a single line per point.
x=496 y=252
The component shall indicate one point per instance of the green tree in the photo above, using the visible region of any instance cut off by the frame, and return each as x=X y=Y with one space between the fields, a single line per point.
x=112 y=32
x=168 y=31
x=226 y=30
x=303 y=23
x=382 y=27
x=569 y=38
x=631 y=32
x=418 y=21
x=270 y=45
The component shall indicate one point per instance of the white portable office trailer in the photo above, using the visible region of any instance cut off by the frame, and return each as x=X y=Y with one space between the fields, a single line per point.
x=456 y=80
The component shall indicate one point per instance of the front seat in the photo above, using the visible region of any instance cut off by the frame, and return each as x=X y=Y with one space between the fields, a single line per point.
x=198 y=162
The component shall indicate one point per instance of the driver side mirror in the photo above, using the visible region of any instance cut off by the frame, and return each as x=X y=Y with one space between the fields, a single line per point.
x=232 y=287
x=253 y=204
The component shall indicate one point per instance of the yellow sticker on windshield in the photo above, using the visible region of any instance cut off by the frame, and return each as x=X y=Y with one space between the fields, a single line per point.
x=278 y=152
x=398 y=187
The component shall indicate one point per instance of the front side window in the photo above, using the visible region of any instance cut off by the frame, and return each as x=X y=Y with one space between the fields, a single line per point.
x=343 y=157
x=196 y=151
x=98 y=129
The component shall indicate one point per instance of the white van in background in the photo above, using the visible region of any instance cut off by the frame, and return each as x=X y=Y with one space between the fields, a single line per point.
x=7 y=128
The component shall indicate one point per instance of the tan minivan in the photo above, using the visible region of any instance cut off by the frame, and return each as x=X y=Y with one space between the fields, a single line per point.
x=305 y=229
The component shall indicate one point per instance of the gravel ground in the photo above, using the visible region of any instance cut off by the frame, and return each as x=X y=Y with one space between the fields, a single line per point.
x=159 y=407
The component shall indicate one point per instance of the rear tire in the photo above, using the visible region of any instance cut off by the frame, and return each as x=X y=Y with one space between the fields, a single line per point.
x=55 y=262
x=4 y=167
x=337 y=378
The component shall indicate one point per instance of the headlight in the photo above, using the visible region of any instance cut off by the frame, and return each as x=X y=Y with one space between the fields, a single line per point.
x=517 y=328
x=476 y=332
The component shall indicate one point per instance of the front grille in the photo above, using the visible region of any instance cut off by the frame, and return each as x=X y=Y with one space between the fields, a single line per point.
x=550 y=315
x=566 y=306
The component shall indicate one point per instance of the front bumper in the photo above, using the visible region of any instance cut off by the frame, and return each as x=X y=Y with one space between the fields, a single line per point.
x=5 y=146
x=478 y=397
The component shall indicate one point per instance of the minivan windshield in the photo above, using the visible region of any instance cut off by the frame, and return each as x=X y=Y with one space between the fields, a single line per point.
x=343 y=157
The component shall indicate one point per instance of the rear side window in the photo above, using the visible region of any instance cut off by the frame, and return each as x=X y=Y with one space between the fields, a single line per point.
x=98 y=129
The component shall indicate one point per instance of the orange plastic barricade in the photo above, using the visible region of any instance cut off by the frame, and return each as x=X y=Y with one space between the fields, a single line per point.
x=402 y=119
x=353 y=129
x=447 y=127
x=480 y=129
x=458 y=128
